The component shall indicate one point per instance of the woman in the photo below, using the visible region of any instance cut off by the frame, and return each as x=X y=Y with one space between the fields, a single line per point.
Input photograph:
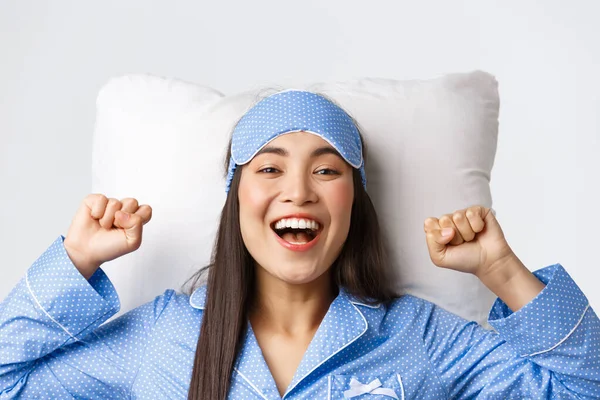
x=297 y=304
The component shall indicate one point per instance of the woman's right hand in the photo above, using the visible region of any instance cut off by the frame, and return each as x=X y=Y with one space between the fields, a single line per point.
x=104 y=229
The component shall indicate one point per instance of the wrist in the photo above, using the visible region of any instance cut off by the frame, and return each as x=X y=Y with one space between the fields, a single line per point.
x=511 y=281
x=501 y=271
x=86 y=267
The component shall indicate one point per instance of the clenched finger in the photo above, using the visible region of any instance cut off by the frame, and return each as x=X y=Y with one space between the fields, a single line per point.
x=464 y=227
x=96 y=203
x=145 y=212
x=430 y=224
x=130 y=205
x=447 y=222
x=476 y=218
x=108 y=218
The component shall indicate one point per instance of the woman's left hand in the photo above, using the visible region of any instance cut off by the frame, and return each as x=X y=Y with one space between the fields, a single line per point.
x=474 y=244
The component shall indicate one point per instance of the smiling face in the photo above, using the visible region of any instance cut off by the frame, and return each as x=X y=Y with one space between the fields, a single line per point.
x=301 y=178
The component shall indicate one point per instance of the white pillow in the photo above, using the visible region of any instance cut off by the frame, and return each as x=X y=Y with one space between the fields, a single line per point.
x=431 y=150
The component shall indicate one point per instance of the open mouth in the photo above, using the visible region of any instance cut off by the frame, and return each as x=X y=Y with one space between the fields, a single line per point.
x=298 y=234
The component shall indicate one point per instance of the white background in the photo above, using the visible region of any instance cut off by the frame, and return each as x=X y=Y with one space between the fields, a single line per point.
x=54 y=57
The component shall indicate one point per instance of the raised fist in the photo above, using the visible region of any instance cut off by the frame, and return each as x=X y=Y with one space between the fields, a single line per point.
x=104 y=229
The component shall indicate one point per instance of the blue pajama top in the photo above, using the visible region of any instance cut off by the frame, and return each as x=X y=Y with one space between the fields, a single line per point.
x=53 y=346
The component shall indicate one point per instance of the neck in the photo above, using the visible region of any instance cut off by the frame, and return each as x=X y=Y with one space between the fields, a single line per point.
x=289 y=308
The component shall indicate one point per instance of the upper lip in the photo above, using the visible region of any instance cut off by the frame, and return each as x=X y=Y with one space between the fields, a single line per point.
x=297 y=215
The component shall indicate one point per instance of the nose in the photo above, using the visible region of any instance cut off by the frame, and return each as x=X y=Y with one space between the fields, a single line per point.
x=298 y=188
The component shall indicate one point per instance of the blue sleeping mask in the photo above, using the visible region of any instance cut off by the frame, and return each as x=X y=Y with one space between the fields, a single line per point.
x=294 y=111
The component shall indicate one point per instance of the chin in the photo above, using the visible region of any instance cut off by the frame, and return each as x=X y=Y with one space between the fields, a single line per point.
x=294 y=275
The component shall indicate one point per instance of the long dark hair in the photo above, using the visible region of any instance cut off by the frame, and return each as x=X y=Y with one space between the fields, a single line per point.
x=360 y=268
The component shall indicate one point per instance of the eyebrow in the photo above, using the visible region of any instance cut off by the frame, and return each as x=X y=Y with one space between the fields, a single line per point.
x=280 y=151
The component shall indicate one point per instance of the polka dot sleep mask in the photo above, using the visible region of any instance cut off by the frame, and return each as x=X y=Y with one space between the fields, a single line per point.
x=293 y=111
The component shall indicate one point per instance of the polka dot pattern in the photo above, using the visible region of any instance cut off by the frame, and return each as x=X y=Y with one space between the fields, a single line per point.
x=293 y=111
x=53 y=345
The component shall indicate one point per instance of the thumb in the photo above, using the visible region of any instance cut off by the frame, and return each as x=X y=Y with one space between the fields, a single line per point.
x=437 y=243
x=132 y=225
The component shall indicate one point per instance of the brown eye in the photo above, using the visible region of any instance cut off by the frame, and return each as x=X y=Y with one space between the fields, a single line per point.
x=328 y=170
x=269 y=170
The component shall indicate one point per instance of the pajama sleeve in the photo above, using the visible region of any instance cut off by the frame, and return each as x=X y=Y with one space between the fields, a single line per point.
x=51 y=341
x=549 y=349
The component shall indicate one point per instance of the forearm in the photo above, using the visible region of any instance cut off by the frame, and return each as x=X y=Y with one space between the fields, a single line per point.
x=50 y=308
x=512 y=282
x=548 y=349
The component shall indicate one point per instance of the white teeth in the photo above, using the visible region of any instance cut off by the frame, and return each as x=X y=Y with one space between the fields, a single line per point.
x=297 y=223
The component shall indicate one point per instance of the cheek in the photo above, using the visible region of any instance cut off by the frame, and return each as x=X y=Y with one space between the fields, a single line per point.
x=340 y=200
x=253 y=202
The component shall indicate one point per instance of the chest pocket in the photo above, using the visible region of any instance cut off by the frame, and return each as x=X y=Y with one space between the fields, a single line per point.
x=366 y=387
